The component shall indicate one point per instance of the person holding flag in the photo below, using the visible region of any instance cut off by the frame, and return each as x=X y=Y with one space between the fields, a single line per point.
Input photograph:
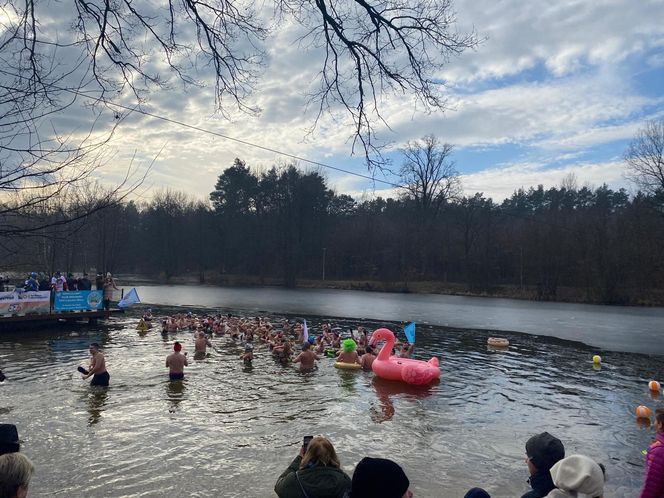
x=408 y=346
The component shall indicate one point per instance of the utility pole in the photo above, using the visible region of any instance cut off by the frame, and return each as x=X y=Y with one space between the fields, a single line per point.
x=324 y=250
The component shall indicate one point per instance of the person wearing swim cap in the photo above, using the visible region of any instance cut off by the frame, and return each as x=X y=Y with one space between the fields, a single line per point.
x=348 y=353
x=175 y=362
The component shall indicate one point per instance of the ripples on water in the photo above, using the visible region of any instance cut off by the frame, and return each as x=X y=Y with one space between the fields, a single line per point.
x=229 y=430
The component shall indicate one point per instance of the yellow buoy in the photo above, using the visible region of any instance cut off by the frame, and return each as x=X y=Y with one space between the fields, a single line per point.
x=653 y=385
x=597 y=359
x=642 y=412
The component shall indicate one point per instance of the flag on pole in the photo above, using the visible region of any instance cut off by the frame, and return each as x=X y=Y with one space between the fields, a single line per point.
x=130 y=299
x=305 y=333
x=409 y=330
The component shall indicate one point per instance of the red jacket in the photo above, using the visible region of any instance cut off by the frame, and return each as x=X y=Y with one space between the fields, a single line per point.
x=654 y=485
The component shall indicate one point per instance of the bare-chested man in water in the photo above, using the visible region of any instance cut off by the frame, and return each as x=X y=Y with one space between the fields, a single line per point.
x=175 y=362
x=201 y=344
x=367 y=359
x=97 y=367
x=306 y=358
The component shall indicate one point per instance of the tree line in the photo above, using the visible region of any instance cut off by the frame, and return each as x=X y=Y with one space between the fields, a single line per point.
x=285 y=225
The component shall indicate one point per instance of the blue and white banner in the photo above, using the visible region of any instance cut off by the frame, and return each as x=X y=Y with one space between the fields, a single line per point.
x=22 y=302
x=78 y=300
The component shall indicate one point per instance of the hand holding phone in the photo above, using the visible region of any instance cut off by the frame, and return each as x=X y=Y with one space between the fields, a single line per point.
x=305 y=443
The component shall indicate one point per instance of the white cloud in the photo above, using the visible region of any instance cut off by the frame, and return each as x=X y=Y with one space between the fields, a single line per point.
x=500 y=183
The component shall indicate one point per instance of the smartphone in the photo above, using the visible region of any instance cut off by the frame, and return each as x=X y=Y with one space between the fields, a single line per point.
x=305 y=443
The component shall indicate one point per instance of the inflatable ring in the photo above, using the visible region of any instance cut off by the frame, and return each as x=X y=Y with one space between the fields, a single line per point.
x=347 y=366
x=498 y=342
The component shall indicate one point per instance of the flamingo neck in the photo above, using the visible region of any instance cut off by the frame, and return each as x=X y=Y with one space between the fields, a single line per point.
x=386 y=351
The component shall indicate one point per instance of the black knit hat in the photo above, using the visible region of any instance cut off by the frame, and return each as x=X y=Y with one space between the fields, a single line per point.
x=378 y=478
x=544 y=450
x=477 y=493
x=8 y=439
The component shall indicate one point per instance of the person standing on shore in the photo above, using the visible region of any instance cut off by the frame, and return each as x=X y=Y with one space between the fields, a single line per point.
x=654 y=482
x=175 y=362
x=97 y=367
x=109 y=285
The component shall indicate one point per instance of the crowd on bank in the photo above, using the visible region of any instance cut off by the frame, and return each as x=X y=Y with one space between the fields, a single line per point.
x=316 y=471
x=59 y=282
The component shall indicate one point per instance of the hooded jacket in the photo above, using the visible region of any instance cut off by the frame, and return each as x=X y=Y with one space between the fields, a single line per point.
x=317 y=481
x=577 y=474
x=541 y=484
x=654 y=485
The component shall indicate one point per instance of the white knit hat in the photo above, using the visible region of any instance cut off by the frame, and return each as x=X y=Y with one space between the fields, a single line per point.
x=578 y=473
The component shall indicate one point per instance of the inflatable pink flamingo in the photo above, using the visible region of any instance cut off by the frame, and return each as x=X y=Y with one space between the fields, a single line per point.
x=388 y=367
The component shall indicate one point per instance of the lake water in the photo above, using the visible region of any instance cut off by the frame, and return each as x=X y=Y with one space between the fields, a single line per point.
x=230 y=431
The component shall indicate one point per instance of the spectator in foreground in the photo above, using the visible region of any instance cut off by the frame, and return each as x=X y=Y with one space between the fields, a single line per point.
x=9 y=442
x=477 y=493
x=314 y=473
x=654 y=484
x=542 y=451
x=15 y=473
x=577 y=474
x=379 y=478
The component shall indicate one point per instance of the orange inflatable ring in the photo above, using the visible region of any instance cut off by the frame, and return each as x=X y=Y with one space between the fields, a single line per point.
x=498 y=342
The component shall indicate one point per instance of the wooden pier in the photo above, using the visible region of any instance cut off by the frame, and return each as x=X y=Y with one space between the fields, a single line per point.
x=42 y=320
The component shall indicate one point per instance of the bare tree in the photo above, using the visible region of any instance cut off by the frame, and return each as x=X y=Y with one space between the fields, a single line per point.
x=428 y=174
x=645 y=158
x=101 y=48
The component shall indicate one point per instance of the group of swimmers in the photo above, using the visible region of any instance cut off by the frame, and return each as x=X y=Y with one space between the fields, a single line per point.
x=282 y=341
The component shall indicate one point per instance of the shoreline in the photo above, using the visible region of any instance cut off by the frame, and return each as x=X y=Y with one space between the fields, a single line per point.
x=525 y=293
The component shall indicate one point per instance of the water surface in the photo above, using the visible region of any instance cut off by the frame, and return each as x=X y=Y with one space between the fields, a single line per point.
x=230 y=431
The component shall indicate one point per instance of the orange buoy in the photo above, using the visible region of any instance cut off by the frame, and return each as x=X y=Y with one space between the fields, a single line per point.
x=653 y=385
x=642 y=412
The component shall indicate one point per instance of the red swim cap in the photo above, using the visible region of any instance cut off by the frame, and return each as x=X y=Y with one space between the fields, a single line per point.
x=177 y=346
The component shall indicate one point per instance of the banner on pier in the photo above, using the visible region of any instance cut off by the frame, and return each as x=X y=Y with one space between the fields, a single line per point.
x=24 y=302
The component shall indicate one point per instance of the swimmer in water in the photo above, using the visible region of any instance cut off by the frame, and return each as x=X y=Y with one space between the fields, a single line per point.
x=306 y=358
x=348 y=353
x=97 y=367
x=406 y=350
x=367 y=359
x=248 y=354
x=200 y=345
x=175 y=362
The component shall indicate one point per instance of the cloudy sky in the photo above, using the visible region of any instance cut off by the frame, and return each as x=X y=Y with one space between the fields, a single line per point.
x=554 y=88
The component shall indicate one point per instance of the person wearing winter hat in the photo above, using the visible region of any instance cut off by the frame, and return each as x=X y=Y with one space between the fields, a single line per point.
x=577 y=474
x=542 y=452
x=379 y=478
x=9 y=442
x=477 y=493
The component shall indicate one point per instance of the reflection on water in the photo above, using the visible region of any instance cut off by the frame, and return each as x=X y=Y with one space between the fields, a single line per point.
x=232 y=428
x=175 y=393
x=96 y=400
